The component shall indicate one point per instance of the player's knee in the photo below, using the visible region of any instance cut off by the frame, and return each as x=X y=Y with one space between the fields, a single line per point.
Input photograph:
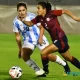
x=25 y=57
x=43 y=53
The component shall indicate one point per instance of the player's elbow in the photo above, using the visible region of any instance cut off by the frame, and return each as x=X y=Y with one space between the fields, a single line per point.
x=65 y=11
x=18 y=38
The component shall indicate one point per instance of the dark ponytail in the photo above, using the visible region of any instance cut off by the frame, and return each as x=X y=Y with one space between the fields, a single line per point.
x=46 y=5
x=49 y=7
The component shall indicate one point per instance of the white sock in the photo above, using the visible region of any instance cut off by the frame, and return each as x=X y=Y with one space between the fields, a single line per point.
x=33 y=65
x=60 y=61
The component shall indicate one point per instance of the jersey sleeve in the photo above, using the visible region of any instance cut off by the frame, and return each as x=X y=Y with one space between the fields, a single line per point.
x=57 y=12
x=15 y=29
x=31 y=15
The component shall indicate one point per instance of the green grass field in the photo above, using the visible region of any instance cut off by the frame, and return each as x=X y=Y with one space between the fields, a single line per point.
x=9 y=58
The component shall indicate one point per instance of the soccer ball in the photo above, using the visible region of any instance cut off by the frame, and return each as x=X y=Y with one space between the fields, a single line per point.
x=15 y=72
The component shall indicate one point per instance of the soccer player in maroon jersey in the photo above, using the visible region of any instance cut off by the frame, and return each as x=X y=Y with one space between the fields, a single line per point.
x=47 y=19
x=23 y=14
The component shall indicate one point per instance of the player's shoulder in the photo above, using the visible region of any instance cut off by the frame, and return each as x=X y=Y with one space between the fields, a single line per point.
x=31 y=15
x=15 y=19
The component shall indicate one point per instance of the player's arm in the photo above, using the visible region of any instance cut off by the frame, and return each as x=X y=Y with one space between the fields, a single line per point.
x=40 y=40
x=69 y=13
x=28 y=23
x=18 y=40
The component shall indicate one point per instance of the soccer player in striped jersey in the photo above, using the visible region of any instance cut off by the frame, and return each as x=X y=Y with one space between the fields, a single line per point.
x=30 y=41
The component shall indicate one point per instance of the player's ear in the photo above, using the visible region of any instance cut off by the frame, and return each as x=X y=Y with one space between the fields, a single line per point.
x=45 y=9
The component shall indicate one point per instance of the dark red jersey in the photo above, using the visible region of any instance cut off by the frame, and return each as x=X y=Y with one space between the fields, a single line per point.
x=51 y=24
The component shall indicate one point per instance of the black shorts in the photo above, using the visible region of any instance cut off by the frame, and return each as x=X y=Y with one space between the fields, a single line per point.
x=62 y=44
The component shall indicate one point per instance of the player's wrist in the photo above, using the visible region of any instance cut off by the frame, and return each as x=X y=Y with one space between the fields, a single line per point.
x=23 y=19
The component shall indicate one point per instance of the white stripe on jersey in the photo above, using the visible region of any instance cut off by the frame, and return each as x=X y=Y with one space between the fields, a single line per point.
x=30 y=34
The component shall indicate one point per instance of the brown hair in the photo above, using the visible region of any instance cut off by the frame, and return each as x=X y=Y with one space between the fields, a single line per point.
x=21 y=4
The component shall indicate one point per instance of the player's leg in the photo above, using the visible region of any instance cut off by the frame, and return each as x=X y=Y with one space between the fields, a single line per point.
x=66 y=54
x=27 y=51
x=71 y=59
x=45 y=60
x=45 y=63
x=52 y=48
x=54 y=58
x=26 y=54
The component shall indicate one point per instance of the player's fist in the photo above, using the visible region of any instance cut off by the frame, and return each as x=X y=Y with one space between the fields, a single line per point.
x=19 y=54
x=40 y=41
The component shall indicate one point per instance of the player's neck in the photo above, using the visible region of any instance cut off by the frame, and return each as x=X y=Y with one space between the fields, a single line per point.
x=23 y=17
x=44 y=14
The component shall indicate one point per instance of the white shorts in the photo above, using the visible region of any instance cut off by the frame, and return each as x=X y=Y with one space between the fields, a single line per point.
x=42 y=46
x=27 y=44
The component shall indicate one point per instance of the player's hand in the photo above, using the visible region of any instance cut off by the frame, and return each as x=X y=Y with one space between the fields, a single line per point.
x=19 y=54
x=40 y=41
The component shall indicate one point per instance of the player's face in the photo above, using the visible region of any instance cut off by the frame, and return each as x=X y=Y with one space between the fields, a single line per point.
x=40 y=10
x=22 y=12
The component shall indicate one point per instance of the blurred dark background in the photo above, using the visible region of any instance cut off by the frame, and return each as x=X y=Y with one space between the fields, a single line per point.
x=33 y=2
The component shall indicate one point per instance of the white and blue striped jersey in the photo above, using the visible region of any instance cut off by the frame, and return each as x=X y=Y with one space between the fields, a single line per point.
x=30 y=34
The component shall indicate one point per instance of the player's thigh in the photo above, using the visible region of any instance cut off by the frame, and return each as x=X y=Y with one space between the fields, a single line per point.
x=49 y=49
